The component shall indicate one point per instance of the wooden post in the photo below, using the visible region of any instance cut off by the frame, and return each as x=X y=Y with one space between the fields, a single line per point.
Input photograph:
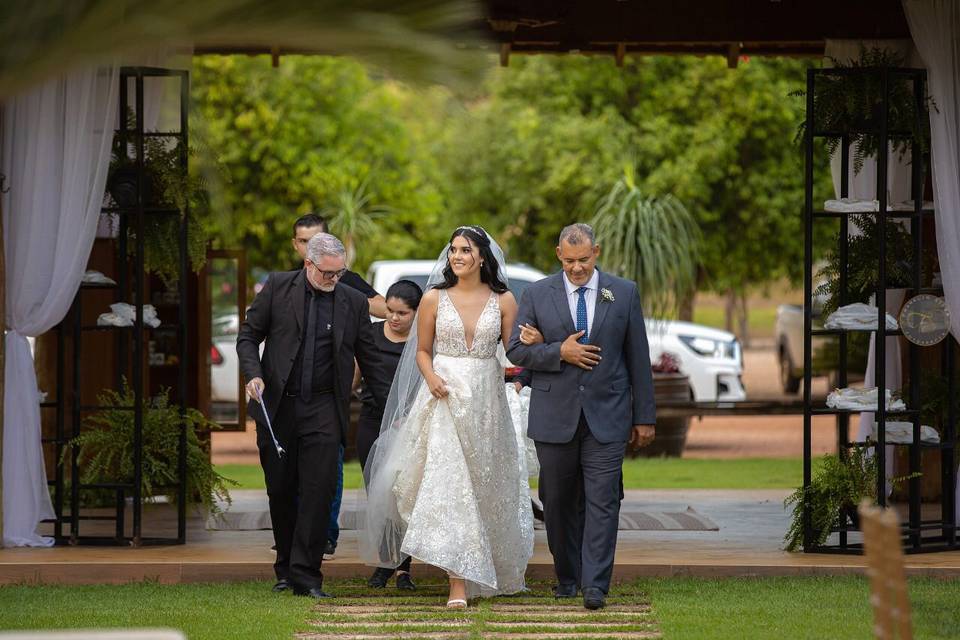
x=504 y=54
x=888 y=580
x=621 y=53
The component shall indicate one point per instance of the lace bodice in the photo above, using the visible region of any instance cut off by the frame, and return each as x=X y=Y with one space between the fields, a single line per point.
x=451 y=335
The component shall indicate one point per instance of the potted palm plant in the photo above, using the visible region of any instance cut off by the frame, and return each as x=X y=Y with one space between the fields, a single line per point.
x=655 y=242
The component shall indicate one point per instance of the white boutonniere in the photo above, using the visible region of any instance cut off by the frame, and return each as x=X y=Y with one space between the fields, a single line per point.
x=607 y=296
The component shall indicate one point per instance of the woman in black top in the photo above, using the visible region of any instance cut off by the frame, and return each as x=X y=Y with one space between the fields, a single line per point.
x=402 y=300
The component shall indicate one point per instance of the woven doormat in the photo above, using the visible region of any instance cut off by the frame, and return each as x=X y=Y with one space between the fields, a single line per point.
x=688 y=520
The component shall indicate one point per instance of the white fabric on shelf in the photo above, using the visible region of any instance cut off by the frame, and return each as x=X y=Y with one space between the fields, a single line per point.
x=862 y=399
x=95 y=277
x=125 y=315
x=935 y=28
x=55 y=153
x=908 y=205
x=898 y=432
x=851 y=205
x=858 y=317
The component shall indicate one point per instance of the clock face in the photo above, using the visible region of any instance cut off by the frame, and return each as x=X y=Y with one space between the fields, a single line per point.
x=924 y=320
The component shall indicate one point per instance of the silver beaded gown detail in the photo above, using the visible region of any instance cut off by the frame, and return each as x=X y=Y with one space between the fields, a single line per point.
x=462 y=492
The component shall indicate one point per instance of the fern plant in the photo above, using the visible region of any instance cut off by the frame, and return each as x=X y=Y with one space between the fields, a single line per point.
x=106 y=448
x=165 y=184
x=835 y=490
x=853 y=104
x=863 y=261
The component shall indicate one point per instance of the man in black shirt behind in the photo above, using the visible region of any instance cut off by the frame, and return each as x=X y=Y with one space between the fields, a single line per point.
x=310 y=225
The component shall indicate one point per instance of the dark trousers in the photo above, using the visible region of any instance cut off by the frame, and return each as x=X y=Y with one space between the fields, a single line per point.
x=580 y=487
x=333 y=531
x=301 y=484
x=368 y=430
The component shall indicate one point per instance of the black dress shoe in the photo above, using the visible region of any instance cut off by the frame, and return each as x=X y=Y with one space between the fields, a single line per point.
x=311 y=592
x=594 y=598
x=405 y=583
x=379 y=578
x=565 y=591
x=282 y=585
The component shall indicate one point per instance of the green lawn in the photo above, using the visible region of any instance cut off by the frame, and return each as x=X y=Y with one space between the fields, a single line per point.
x=639 y=473
x=684 y=608
x=748 y=609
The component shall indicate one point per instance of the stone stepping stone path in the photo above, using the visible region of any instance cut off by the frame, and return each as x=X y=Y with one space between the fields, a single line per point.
x=364 y=614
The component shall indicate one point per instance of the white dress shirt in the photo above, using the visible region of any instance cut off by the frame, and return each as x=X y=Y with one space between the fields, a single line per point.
x=589 y=296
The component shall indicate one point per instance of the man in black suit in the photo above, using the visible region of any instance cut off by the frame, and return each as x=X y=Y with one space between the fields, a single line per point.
x=313 y=330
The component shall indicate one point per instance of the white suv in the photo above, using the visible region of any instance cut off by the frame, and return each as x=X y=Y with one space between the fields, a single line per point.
x=711 y=358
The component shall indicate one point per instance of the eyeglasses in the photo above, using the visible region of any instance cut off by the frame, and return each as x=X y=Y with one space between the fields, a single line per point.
x=329 y=275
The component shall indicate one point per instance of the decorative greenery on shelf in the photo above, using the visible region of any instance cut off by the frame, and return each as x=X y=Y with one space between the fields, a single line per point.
x=654 y=241
x=835 y=490
x=853 y=103
x=863 y=261
x=106 y=448
x=166 y=184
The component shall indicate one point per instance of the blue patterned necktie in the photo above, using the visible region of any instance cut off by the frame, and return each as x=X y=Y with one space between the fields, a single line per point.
x=582 y=314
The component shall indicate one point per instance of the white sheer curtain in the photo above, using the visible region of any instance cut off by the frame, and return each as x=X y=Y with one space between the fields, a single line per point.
x=55 y=154
x=935 y=27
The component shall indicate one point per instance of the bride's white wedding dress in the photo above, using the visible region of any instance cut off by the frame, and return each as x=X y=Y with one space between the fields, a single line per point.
x=461 y=492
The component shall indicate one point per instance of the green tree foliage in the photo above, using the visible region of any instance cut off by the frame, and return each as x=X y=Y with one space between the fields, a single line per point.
x=555 y=134
x=536 y=146
x=292 y=139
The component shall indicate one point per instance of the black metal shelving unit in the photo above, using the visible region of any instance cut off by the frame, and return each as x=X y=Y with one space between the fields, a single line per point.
x=919 y=534
x=130 y=342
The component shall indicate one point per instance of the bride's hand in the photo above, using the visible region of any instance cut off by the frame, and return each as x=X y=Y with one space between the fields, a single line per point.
x=529 y=334
x=437 y=386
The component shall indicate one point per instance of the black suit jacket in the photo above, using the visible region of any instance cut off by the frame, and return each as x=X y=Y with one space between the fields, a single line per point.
x=276 y=316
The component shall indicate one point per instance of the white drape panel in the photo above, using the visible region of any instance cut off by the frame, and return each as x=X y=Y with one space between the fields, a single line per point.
x=935 y=27
x=56 y=153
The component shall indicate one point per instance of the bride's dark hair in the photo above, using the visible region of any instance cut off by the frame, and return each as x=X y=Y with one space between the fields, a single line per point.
x=489 y=267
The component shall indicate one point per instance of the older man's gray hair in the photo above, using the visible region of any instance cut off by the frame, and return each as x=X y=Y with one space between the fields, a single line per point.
x=576 y=233
x=324 y=244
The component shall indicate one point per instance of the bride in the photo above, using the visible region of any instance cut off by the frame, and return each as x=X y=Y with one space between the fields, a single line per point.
x=445 y=481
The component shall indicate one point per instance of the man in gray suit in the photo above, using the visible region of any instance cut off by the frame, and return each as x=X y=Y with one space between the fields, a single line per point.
x=581 y=333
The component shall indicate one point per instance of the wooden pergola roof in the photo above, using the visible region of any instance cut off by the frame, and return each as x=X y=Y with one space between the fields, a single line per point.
x=724 y=27
x=729 y=28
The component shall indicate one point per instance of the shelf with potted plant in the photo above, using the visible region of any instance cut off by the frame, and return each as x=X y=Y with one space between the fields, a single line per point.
x=149 y=197
x=868 y=110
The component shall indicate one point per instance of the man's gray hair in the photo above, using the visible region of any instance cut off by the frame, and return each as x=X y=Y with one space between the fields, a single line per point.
x=577 y=233
x=324 y=244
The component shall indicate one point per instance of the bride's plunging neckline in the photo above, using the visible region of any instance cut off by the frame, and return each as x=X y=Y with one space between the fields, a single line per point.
x=463 y=325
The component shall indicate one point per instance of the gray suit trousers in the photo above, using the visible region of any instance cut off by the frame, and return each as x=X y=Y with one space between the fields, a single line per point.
x=580 y=488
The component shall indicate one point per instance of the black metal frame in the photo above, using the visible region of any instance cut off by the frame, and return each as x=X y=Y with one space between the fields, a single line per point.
x=914 y=527
x=131 y=357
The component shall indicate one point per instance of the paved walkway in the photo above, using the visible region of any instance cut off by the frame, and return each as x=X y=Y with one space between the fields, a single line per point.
x=748 y=543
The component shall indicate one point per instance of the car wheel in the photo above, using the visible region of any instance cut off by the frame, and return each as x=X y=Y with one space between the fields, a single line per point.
x=789 y=382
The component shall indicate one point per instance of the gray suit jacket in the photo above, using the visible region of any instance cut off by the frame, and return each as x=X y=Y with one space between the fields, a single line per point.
x=616 y=394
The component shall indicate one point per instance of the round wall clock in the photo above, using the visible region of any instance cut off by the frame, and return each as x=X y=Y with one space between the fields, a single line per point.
x=925 y=320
